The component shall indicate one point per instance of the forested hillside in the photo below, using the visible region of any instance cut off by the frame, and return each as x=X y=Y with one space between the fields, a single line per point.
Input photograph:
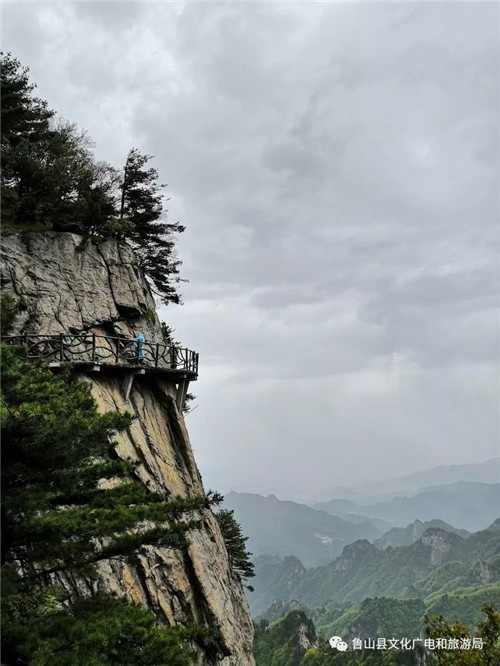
x=438 y=563
x=371 y=638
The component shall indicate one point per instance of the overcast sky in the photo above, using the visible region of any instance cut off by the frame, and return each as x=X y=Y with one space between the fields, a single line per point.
x=336 y=167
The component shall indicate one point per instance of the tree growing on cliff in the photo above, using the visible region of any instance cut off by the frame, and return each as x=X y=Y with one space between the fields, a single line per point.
x=25 y=128
x=152 y=238
x=52 y=180
x=69 y=502
x=239 y=557
x=24 y=116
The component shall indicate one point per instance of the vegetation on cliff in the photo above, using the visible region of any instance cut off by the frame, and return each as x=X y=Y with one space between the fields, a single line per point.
x=68 y=502
x=52 y=180
x=239 y=557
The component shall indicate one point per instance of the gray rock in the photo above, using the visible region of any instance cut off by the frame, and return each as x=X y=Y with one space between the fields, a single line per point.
x=71 y=284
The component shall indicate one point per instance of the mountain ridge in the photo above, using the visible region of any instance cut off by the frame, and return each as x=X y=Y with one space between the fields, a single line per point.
x=463 y=504
x=487 y=471
x=275 y=526
x=439 y=562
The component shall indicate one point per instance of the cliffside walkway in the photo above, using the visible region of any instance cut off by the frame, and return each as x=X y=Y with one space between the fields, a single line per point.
x=93 y=352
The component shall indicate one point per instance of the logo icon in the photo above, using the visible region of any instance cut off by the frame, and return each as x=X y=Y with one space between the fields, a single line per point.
x=337 y=642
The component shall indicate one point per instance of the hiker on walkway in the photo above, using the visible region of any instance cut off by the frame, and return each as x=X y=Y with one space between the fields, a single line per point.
x=139 y=347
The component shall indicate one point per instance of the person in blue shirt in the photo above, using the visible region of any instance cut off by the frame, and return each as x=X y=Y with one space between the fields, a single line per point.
x=139 y=347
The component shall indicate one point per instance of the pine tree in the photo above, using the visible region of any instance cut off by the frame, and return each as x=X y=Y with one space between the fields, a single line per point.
x=50 y=178
x=239 y=557
x=56 y=515
x=142 y=206
x=25 y=128
x=41 y=628
x=24 y=117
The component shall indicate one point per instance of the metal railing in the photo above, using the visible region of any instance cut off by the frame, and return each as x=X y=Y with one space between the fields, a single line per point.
x=92 y=348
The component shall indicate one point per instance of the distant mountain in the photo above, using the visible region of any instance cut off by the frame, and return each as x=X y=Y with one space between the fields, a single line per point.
x=338 y=507
x=405 y=536
x=485 y=472
x=438 y=563
x=276 y=527
x=379 y=524
x=466 y=505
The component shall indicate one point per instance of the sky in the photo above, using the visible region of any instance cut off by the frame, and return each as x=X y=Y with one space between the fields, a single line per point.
x=336 y=166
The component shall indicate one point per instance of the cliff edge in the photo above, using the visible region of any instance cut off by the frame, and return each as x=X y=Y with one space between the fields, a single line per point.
x=70 y=284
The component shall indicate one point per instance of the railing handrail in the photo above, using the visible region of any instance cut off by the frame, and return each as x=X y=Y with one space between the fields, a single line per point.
x=103 y=347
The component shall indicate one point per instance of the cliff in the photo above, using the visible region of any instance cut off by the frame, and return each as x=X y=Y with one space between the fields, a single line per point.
x=69 y=284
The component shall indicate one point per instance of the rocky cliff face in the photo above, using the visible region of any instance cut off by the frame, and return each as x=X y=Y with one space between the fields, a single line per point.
x=440 y=543
x=68 y=284
x=355 y=555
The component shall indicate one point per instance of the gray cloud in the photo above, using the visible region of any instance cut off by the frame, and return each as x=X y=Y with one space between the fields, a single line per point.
x=336 y=166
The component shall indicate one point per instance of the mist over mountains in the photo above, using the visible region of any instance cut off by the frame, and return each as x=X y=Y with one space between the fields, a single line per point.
x=378 y=557
x=276 y=527
x=317 y=535
x=386 y=489
x=466 y=505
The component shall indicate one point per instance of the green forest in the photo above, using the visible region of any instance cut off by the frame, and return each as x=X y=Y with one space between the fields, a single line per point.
x=395 y=593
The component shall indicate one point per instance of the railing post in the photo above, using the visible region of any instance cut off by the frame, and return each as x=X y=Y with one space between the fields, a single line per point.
x=173 y=359
x=93 y=347
x=157 y=355
x=61 y=347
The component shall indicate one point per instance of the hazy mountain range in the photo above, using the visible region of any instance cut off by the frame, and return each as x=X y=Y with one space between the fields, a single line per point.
x=437 y=543
x=372 y=491
x=318 y=535
x=465 y=505
x=276 y=527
